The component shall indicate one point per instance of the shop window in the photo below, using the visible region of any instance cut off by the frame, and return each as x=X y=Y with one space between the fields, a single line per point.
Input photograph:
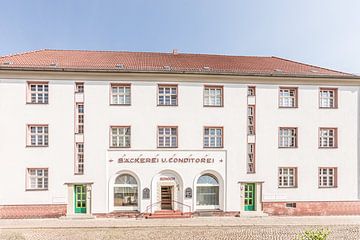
x=125 y=191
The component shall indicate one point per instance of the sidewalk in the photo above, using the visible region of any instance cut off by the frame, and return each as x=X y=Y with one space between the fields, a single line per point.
x=199 y=221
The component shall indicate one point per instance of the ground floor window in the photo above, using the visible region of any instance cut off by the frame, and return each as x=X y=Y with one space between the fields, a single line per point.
x=125 y=191
x=207 y=191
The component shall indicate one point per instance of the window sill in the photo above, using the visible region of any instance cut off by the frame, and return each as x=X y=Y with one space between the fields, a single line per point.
x=31 y=103
x=125 y=105
x=35 y=146
x=32 y=190
x=111 y=147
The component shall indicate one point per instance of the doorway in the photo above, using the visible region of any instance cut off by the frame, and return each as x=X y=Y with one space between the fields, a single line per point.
x=166 y=197
x=80 y=198
x=249 y=197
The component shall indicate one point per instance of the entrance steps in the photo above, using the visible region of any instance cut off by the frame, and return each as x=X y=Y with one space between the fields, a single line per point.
x=168 y=214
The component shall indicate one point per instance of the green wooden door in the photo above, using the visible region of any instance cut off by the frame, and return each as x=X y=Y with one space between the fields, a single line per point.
x=80 y=198
x=249 y=197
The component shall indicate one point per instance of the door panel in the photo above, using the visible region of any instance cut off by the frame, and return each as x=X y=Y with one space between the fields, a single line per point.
x=166 y=198
x=249 y=197
x=80 y=198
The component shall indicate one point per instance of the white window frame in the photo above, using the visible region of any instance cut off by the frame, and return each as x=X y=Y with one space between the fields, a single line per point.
x=213 y=96
x=251 y=91
x=38 y=93
x=123 y=134
x=37 y=135
x=79 y=87
x=288 y=97
x=327 y=179
x=214 y=185
x=120 y=94
x=288 y=137
x=211 y=139
x=36 y=177
x=251 y=158
x=328 y=138
x=286 y=176
x=79 y=118
x=124 y=186
x=79 y=158
x=167 y=95
x=251 y=120
x=166 y=137
x=325 y=98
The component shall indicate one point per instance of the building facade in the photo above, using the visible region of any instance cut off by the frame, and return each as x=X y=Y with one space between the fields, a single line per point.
x=107 y=133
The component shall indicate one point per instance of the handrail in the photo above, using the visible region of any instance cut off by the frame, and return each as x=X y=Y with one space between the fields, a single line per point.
x=159 y=202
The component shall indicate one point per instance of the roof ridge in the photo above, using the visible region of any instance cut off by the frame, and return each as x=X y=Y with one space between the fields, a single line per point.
x=311 y=65
x=168 y=53
x=22 y=53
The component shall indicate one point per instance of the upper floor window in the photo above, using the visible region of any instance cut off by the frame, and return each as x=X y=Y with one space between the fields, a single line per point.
x=327 y=177
x=251 y=120
x=167 y=137
x=287 y=97
x=167 y=95
x=38 y=93
x=79 y=158
x=328 y=97
x=37 y=179
x=80 y=118
x=213 y=137
x=38 y=135
x=79 y=87
x=120 y=94
x=251 y=91
x=287 y=177
x=120 y=137
x=328 y=137
x=288 y=137
x=213 y=96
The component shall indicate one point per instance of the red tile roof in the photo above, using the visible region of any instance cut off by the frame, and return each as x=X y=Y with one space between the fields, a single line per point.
x=82 y=60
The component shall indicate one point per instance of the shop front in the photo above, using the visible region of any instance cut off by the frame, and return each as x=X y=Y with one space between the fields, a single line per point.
x=149 y=181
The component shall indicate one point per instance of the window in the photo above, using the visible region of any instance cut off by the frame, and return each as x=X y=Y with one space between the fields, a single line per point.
x=288 y=137
x=79 y=159
x=251 y=91
x=327 y=177
x=167 y=95
x=126 y=192
x=207 y=192
x=38 y=93
x=251 y=158
x=120 y=137
x=288 y=97
x=79 y=87
x=213 y=137
x=287 y=177
x=37 y=178
x=120 y=94
x=213 y=96
x=38 y=135
x=167 y=137
x=328 y=138
x=251 y=120
x=328 y=98
x=79 y=118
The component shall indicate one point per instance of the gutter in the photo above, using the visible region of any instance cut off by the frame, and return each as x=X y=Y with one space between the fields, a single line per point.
x=216 y=73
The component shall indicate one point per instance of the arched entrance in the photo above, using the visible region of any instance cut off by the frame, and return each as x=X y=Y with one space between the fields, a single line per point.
x=168 y=188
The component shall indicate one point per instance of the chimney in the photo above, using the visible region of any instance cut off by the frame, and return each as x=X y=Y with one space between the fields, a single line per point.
x=175 y=52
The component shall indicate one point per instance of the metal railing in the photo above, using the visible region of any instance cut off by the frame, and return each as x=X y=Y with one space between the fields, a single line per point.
x=151 y=206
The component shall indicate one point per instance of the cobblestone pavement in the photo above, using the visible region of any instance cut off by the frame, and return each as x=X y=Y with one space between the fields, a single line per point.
x=260 y=228
x=346 y=232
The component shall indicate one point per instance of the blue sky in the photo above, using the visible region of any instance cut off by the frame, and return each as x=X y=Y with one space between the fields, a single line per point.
x=319 y=32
